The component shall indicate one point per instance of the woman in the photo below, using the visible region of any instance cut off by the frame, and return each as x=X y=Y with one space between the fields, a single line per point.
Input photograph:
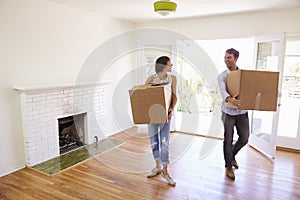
x=160 y=133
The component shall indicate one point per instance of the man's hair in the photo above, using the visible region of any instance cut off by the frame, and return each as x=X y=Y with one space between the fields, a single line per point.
x=161 y=63
x=235 y=53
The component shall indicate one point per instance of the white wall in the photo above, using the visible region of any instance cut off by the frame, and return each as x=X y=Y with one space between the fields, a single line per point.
x=41 y=43
x=124 y=79
x=234 y=25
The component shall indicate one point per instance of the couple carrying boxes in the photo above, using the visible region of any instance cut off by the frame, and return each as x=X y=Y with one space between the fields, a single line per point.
x=241 y=90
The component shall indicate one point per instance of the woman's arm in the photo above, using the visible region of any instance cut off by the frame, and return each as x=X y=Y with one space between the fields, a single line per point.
x=174 y=92
x=173 y=97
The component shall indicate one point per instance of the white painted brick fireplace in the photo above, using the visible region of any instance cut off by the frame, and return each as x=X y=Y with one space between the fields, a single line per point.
x=42 y=106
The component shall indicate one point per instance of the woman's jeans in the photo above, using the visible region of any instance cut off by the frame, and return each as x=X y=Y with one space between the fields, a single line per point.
x=160 y=137
x=241 y=122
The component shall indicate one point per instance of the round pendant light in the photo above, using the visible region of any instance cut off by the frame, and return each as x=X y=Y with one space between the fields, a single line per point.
x=164 y=7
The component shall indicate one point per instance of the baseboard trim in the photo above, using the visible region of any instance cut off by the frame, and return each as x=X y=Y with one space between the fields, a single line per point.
x=199 y=135
x=13 y=170
x=287 y=149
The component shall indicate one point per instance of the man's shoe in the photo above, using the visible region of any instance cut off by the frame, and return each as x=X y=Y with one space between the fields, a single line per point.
x=234 y=163
x=154 y=172
x=230 y=173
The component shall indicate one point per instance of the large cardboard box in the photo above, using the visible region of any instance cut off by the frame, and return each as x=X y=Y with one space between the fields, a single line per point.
x=150 y=104
x=258 y=90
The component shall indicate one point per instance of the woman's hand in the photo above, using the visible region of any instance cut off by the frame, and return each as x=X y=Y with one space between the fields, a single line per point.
x=170 y=113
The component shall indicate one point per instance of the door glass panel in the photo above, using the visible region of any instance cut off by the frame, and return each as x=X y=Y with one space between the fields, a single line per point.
x=267 y=60
x=267 y=56
x=290 y=100
x=262 y=124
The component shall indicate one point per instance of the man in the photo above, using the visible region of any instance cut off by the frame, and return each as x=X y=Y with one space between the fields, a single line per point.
x=232 y=117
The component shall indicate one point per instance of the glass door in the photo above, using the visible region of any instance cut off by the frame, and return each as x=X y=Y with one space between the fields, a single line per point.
x=289 y=116
x=269 y=52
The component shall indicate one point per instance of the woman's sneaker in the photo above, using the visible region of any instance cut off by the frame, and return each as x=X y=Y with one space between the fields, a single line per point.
x=168 y=178
x=155 y=171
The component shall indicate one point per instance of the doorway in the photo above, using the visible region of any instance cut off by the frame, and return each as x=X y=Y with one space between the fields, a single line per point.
x=289 y=116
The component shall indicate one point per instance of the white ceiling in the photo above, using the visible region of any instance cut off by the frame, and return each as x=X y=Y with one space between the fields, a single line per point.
x=141 y=10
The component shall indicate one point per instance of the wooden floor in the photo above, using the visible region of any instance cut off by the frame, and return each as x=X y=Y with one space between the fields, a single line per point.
x=110 y=175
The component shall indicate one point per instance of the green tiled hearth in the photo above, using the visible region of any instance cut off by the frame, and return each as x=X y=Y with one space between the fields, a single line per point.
x=62 y=162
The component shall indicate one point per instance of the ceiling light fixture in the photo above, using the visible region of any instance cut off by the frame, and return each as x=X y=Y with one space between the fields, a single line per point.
x=164 y=7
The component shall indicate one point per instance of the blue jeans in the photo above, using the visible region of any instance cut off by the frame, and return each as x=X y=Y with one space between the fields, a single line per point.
x=241 y=122
x=160 y=137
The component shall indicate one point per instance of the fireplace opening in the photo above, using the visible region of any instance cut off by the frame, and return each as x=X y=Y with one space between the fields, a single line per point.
x=71 y=133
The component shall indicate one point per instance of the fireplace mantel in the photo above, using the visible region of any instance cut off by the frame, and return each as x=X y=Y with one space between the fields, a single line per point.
x=49 y=87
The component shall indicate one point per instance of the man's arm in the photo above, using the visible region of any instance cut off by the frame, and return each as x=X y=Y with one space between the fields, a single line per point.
x=222 y=86
x=223 y=90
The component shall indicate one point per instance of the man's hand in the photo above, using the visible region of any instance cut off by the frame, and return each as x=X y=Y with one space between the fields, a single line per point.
x=234 y=101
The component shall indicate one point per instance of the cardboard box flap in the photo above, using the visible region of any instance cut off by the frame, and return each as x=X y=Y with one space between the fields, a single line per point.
x=233 y=86
x=140 y=87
